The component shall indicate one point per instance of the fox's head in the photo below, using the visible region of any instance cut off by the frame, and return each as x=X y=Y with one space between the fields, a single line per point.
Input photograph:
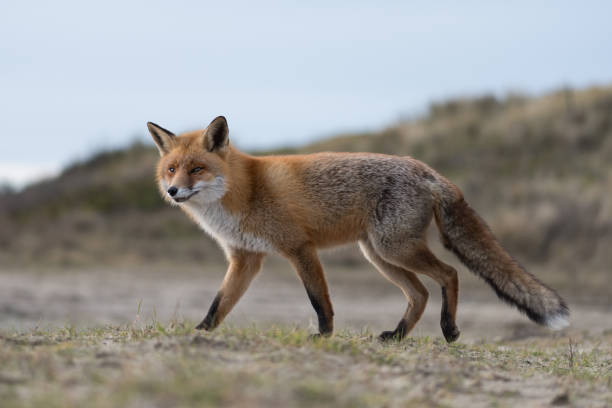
x=193 y=165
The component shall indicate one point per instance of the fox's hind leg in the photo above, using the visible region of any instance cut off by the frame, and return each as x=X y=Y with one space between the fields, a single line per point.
x=407 y=281
x=414 y=255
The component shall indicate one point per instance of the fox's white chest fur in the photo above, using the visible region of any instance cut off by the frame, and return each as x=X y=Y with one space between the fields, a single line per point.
x=225 y=227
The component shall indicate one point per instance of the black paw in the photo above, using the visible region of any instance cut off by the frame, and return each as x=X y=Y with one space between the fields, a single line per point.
x=205 y=325
x=451 y=333
x=317 y=336
x=391 y=336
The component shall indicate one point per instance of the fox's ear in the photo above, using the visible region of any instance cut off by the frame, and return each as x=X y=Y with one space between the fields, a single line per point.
x=216 y=135
x=164 y=139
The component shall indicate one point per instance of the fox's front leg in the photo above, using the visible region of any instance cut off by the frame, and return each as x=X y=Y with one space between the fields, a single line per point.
x=310 y=271
x=243 y=267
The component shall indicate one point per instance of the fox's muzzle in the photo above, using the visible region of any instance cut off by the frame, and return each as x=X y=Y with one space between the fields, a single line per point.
x=181 y=194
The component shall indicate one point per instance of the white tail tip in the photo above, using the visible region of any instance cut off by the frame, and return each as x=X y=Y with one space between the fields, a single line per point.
x=557 y=322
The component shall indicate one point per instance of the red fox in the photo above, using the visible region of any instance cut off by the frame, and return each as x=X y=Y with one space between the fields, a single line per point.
x=296 y=204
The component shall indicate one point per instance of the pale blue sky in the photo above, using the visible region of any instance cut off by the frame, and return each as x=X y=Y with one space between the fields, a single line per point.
x=77 y=76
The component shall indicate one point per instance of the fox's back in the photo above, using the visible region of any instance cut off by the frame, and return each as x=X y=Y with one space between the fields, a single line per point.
x=340 y=194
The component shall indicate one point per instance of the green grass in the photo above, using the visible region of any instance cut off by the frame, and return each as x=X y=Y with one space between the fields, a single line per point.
x=173 y=365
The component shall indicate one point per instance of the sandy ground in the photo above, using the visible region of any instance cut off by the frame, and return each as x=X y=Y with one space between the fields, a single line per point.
x=362 y=299
x=502 y=358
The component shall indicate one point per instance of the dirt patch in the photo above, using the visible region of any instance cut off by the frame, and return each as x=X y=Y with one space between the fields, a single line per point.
x=362 y=299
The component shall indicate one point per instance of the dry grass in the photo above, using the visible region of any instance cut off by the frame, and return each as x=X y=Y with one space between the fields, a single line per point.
x=171 y=365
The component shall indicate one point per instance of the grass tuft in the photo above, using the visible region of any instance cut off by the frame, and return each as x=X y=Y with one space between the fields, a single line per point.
x=171 y=364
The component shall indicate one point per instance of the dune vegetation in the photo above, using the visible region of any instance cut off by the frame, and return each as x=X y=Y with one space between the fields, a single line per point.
x=539 y=170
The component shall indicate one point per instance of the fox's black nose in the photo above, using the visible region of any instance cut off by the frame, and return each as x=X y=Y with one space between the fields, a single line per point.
x=172 y=191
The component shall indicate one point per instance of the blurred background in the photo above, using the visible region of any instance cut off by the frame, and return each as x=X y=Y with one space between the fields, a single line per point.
x=513 y=102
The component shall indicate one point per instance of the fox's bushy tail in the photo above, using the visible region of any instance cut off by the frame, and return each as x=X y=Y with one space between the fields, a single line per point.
x=469 y=237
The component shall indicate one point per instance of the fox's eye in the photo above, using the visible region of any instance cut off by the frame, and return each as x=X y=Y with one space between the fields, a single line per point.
x=196 y=170
x=171 y=170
